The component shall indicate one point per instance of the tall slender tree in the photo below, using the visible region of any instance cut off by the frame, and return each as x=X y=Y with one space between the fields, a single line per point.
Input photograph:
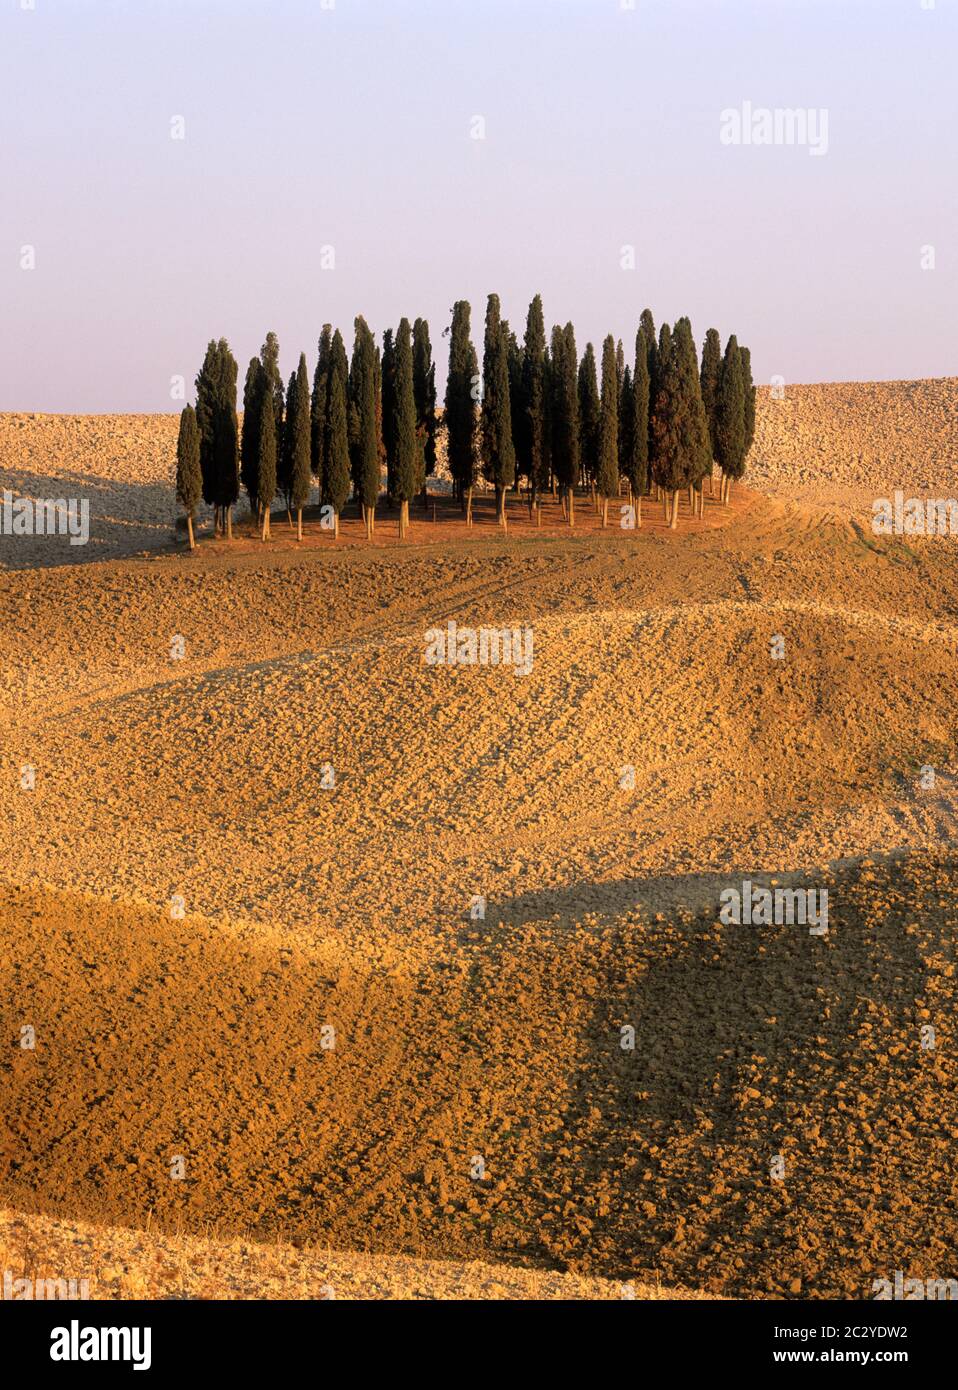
x=498 y=454
x=408 y=448
x=299 y=425
x=730 y=417
x=269 y=356
x=189 y=475
x=534 y=402
x=711 y=368
x=336 y=464
x=750 y=393
x=693 y=422
x=266 y=463
x=640 y=457
x=389 y=412
x=461 y=406
x=565 y=415
x=424 y=390
x=284 y=456
x=607 y=474
x=249 y=440
x=589 y=416
x=366 y=434
x=319 y=407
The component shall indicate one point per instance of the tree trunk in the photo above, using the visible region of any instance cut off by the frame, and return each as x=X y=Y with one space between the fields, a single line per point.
x=335 y=526
x=665 y=503
x=299 y=523
x=189 y=529
x=675 y=511
x=605 y=512
x=229 y=523
x=265 y=532
x=638 y=511
x=468 y=506
x=571 y=506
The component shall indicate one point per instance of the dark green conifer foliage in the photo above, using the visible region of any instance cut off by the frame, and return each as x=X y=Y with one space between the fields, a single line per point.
x=534 y=400
x=249 y=441
x=189 y=475
x=219 y=431
x=461 y=406
x=266 y=462
x=284 y=457
x=730 y=417
x=607 y=473
x=565 y=415
x=619 y=365
x=498 y=454
x=711 y=367
x=669 y=467
x=750 y=394
x=641 y=388
x=589 y=415
x=407 y=445
x=424 y=390
x=269 y=356
x=627 y=428
x=647 y=333
x=389 y=412
x=693 y=422
x=365 y=403
x=299 y=428
x=517 y=414
x=319 y=406
x=336 y=464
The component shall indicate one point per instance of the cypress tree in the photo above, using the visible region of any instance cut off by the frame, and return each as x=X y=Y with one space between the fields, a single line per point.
x=319 y=407
x=299 y=428
x=461 y=406
x=607 y=474
x=730 y=417
x=207 y=406
x=266 y=462
x=534 y=402
x=269 y=356
x=640 y=456
x=189 y=475
x=517 y=416
x=408 y=450
x=693 y=422
x=424 y=390
x=668 y=464
x=589 y=416
x=657 y=404
x=336 y=465
x=389 y=413
x=627 y=429
x=225 y=435
x=565 y=415
x=498 y=455
x=249 y=442
x=366 y=432
x=711 y=367
x=284 y=455
x=647 y=334
x=619 y=365
x=750 y=394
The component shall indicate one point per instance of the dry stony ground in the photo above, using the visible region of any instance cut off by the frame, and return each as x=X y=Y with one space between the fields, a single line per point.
x=328 y=1038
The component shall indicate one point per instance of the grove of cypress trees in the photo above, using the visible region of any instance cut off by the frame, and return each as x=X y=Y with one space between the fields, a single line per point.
x=336 y=458
x=607 y=471
x=730 y=417
x=406 y=442
x=365 y=415
x=565 y=415
x=424 y=391
x=498 y=454
x=319 y=407
x=189 y=476
x=589 y=416
x=300 y=459
x=266 y=462
x=461 y=406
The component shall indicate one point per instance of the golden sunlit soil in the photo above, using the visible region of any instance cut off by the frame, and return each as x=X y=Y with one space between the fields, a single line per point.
x=241 y=910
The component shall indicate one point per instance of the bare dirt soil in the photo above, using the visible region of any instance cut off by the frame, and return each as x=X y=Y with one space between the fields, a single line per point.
x=284 y=979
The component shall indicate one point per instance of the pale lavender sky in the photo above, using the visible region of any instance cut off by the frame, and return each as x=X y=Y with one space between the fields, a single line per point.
x=351 y=126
